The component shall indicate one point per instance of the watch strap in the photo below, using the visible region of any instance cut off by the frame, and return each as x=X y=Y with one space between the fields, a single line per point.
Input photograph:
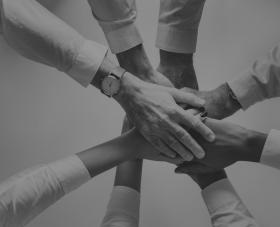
x=118 y=72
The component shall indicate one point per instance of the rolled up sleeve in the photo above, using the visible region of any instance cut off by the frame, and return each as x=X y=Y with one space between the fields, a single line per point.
x=178 y=25
x=37 y=34
x=123 y=208
x=117 y=20
x=226 y=207
x=260 y=82
x=271 y=150
x=27 y=194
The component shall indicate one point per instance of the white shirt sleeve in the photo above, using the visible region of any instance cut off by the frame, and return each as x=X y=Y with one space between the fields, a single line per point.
x=260 y=82
x=39 y=35
x=225 y=207
x=123 y=208
x=271 y=150
x=178 y=25
x=117 y=20
x=27 y=194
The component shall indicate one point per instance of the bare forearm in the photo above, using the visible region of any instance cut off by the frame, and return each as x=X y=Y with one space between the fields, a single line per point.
x=136 y=61
x=129 y=174
x=112 y=153
x=178 y=68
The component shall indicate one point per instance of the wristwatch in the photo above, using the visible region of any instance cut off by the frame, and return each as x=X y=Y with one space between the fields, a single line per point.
x=111 y=83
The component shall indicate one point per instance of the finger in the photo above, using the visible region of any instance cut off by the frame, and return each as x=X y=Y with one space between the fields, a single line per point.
x=187 y=98
x=179 y=148
x=193 y=111
x=193 y=122
x=189 y=90
x=164 y=149
x=185 y=138
x=175 y=161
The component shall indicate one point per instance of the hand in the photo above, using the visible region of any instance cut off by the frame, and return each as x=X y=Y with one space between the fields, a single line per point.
x=157 y=156
x=233 y=143
x=205 y=179
x=154 y=112
x=146 y=151
x=219 y=104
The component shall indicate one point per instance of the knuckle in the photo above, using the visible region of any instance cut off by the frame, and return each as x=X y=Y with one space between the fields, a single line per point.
x=195 y=123
x=180 y=134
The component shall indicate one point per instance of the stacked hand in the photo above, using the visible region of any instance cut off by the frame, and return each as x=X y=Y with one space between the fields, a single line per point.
x=233 y=143
x=219 y=104
x=155 y=112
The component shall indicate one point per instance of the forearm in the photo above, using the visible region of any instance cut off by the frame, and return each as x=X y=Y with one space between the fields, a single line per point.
x=260 y=82
x=225 y=206
x=204 y=180
x=39 y=35
x=178 y=68
x=124 y=205
x=256 y=141
x=136 y=61
x=129 y=174
x=108 y=155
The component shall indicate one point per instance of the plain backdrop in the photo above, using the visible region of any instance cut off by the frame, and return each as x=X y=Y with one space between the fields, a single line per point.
x=45 y=116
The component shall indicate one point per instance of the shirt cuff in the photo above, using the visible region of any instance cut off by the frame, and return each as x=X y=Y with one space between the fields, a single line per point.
x=218 y=195
x=87 y=62
x=123 y=38
x=71 y=173
x=271 y=150
x=174 y=40
x=246 y=90
x=124 y=200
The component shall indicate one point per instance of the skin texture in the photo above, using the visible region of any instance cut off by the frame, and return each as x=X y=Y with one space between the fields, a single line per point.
x=219 y=103
x=129 y=146
x=233 y=143
x=155 y=111
x=203 y=180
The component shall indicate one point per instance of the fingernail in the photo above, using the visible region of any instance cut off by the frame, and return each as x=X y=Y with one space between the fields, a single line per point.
x=200 y=155
x=211 y=137
x=189 y=158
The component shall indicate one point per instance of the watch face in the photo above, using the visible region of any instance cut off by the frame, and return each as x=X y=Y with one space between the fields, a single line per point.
x=110 y=85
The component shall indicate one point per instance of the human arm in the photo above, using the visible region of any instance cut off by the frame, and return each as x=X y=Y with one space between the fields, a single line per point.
x=39 y=35
x=256 y=84
x=234 y=143
x=27 y=194
x=124 y=205
x=224 y=205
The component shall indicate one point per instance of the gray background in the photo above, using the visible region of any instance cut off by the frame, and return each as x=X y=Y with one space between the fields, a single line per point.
x=45 y=116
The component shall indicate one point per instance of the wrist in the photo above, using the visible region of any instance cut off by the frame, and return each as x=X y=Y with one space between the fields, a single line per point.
x=175 y=59
x=104 y=69
x=206 y=180
x=136 y=61
x=219 y=102
x=255 y=144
